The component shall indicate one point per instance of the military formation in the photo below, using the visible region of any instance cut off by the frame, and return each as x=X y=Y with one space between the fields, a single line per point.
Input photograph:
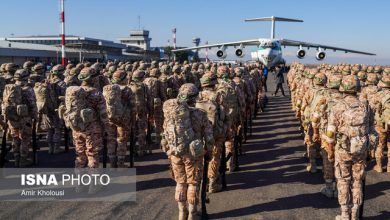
x=344 y=113
x=198 y=113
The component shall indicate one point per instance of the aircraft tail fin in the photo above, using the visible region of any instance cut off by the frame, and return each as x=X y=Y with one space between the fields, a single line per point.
x=273 y=19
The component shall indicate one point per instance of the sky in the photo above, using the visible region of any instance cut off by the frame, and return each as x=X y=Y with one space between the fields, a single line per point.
x=354 y=24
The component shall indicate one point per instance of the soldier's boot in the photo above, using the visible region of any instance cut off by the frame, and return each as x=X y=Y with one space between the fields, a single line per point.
x=328 y=190
x=113 y=162
x=378 y=167
x=121 y=162
x=355 y=212
x=17 y=160
x=214 y=186
x=193 y=212
x=51 y=148
x=183 y=212
x=312 y=166
x=24 y=162
x=344 y=213
x=57 y=149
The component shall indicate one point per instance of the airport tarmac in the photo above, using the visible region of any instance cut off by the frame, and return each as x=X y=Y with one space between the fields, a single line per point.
x=272 y=183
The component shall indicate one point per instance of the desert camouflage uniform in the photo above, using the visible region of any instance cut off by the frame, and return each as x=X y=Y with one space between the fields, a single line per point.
x=156 y=97
x=140 y=109
x=381 y=125
x=225 y=85
x=53 y=122
x=324 y=103
x=351 y=146
x=186 y=168
x=118 y=133
x=89 y=142
x=21 y=130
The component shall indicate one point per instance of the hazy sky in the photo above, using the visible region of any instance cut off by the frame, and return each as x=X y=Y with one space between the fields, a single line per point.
x=354 y=24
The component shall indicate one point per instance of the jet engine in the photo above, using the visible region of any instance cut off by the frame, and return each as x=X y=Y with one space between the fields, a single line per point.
x=221 y=53
x=240 y=53
x=301 y=53
x=320 y=55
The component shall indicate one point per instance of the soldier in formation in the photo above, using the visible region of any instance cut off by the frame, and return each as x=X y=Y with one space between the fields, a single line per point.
x=344 y=110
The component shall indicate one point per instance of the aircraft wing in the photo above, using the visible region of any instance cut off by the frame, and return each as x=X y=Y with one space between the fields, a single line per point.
x=236 y=43
x=286 y=42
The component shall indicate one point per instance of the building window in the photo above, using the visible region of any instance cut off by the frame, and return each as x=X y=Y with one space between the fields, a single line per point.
x=138 y=42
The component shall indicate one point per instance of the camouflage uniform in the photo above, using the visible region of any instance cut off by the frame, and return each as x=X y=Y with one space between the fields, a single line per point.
x=156 y=97
x=186 y=166
x=226 y=86
x=323 y=103
x=305 y=109
x=21 y=129
x=347 y=131
x=71 y=78
x=89 y=142
x=118 y=133
x=209 y=94
x=54 y=123
x=38 y=74
x=369 y=93
x=140 y=109
x=381 y=121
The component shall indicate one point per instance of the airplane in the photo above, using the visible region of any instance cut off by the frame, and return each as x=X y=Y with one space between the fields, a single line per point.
x=269 y=50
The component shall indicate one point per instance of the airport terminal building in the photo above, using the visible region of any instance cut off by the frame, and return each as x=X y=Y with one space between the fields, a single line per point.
x=47 y=49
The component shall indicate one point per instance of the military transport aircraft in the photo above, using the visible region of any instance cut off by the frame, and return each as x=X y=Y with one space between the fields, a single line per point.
x=269 y=50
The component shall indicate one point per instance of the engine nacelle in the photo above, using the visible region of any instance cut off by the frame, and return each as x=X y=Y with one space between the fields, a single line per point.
x=221 y=54
x=301 y=54
x=320 y=55
x=240 y=53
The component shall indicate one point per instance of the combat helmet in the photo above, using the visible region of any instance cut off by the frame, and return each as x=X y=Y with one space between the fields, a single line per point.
x=208 y=79
x=86 y=73
x=355 y=69
x=138 y=75
x=57 y=69
x=28 y=65
x=372 y=79
x=176 y=69
x=378 y=69
x=238 y=71
x=165 y=69
x=310 y=73
x=187 y=92
x=155 y=72
x=385 y=81
x=222 y=72
x=118 y=76
x=334 y=81
x=38 y=68
x=320 y=79
x=362 y=75
x=10 y=67
x=21 y=75
x=346 y=71
x=386 y=71
x=349 y=84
